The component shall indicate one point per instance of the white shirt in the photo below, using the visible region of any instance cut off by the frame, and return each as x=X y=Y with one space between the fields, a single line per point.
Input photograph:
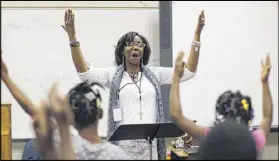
x=129 y=95
x=104 y=75
x=131 y=105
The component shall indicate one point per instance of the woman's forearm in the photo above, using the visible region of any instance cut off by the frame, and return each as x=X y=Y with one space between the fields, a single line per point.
x=193 y=58
x=77 y=56
x=19 y=95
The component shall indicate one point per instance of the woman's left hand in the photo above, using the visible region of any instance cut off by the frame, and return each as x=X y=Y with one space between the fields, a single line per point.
x=201 y=23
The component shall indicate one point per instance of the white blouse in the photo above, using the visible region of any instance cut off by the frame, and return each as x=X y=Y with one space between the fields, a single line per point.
x=129 y=95
x=134 y=110
x=104 y=75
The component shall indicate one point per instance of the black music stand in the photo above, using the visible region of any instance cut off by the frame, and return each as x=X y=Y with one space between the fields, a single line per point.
x=146 y=131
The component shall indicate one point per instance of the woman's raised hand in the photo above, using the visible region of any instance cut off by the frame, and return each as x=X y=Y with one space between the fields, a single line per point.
x=69 y=23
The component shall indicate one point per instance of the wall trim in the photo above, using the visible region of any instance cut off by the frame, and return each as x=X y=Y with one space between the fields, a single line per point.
x=79 y=4
x=79 y=7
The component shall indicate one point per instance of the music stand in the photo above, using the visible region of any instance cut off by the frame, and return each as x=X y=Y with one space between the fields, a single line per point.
x=146 y=131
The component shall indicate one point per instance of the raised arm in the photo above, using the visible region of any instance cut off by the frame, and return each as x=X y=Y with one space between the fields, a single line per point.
x=22 y=99
x=165 y=74
x=77 y=55
x=267 y=99
x=44 y=132
x=193 y=58
x=64 y=118
x=100 y=75
x=182 y=122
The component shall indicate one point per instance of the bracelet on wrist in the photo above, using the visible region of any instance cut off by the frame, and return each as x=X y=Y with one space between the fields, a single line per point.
x=74 y=43
x=196 y=45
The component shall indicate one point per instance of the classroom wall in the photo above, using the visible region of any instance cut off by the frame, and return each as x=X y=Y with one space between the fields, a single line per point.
x=271 y=149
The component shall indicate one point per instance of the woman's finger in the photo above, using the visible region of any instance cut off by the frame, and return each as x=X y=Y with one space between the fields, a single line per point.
x=68 y=16
x=73 y=18
x=65 y=16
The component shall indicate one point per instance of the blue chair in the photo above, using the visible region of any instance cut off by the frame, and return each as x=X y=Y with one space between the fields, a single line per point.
x=30 y=151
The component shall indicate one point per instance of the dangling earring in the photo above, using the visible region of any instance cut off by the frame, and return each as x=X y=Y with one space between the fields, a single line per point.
x=123 y=61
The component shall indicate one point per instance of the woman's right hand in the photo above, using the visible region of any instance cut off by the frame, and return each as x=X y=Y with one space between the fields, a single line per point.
x=69 y=23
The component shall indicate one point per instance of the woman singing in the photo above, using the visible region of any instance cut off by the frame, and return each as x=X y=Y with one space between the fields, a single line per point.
x=135 y=96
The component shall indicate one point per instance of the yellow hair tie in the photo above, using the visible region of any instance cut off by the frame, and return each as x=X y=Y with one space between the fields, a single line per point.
x=243 y=101
x=245 y=104
x=98 y=103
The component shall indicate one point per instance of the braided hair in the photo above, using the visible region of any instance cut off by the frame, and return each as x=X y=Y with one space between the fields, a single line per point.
x=234 y=106
x=86 y=104
x=128 y=38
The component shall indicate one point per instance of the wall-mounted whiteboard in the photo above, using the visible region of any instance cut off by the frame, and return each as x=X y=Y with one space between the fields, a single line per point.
x=235 y=38
x=37 y=52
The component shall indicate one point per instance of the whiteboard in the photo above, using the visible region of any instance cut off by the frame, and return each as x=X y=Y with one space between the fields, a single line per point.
x=235 y=38
x=37 y=52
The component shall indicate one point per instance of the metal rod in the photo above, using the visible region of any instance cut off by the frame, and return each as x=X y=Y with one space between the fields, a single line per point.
x=150 y=148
